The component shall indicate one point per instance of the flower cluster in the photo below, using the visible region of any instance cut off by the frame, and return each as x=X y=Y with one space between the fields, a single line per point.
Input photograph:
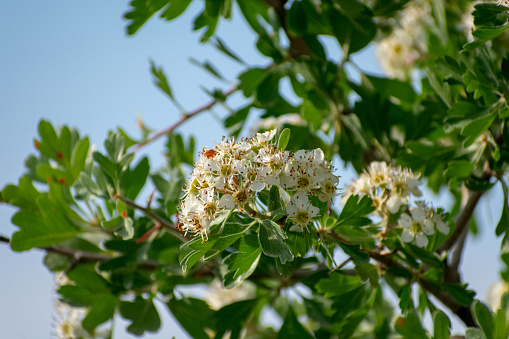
x=389 y=187
x=233 y=174
x=421 y=222
x=408 y=41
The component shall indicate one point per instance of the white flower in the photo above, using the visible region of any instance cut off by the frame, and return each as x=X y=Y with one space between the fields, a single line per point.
x=389 y=187
x=236 y=175
x=264 y=138
x=421 y=223
x=300 y=211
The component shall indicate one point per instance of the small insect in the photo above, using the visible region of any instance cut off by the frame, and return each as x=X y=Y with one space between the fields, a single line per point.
x=209 y=153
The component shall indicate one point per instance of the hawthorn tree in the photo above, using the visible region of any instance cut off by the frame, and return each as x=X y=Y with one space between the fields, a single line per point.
x=269 y=213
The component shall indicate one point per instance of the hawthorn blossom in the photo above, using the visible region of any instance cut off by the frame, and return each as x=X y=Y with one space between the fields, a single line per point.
x=300 y=211
x=233 y=174
x=398 y=52
x=421 y=222
x=389 y=187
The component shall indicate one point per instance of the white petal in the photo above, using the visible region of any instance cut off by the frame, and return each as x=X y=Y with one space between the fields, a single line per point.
x=421 y=240
x=227 y=201
x=405 y=220
x=393 y=204
x=211 y=165
x=442 y=227
x=428 y=227
x=407 y=236
x=257 y=186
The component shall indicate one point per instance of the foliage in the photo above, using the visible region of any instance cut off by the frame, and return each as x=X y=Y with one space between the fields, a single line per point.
x=441 y=114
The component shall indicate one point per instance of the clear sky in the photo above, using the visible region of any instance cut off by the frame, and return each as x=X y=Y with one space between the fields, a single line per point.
x=70 y=62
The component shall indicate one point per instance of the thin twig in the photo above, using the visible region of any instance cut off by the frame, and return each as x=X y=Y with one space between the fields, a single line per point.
x=183 y=118
x=462 y=221
x=79 y=256
x=168 y=225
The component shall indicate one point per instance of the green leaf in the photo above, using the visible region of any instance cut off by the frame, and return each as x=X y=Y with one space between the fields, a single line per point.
x=143 y=315
x=284 y=138
x=354 y=251
x=141 y=11
x=291 y=327
x=272 y=240
x=160 y=80
x=349 y=302
x=132 y=181
x=393 y=88
x=476 y=127
x=76 y=296
x=460 y=293
x=102 y=310
x=296 y=18
x=175 y=9
x=196 y=248
x=503 y=223
x=354 y=211
x=311 y=114
x=442 y=89
x=220 y=45
x=40 y=230
x=459 y=169
x=231 y=317
x=194 y=315
x=477 y=84
x=474 y=333
x=79 y=157
x=50 y=174
x=352 y=24
x=274 y=202
x=410 y=326
x=85 y=276
x=24 y=195
x=483 y=317
x=242 y=263
x=250 y=79
x=442 y=325
x=337 y=284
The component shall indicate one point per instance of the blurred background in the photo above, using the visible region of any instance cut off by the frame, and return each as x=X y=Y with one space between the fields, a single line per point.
x=71 y=62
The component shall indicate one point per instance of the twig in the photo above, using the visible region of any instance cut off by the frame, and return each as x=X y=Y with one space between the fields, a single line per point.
x=462 y=221
x=84 y=257
x=182 y=119
x=169 y=226
x=464 y=313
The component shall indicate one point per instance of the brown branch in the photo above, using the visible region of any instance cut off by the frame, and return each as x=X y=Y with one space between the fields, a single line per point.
x=298 y=47
x=79 y=256
x=183 y=118
x=464 y=313
x=462 y=220
x=169 y=226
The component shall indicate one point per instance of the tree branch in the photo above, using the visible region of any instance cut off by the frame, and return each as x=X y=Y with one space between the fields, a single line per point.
x=183 y=118
x=169 y=226
x=464 y=313
x=462 y=220
x=298 y=47
x=84 y=257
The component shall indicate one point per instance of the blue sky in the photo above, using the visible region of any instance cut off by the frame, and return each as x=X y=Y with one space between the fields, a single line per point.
x=70 y=62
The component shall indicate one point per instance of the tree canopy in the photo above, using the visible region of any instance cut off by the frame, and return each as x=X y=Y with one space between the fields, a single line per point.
x=264 y=217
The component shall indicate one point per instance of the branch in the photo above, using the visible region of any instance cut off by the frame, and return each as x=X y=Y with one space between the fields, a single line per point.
x=182 y=119
x=79 y=256
x=464 y=313
x=169 y=226
x=462 y=220
x=298 y=47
